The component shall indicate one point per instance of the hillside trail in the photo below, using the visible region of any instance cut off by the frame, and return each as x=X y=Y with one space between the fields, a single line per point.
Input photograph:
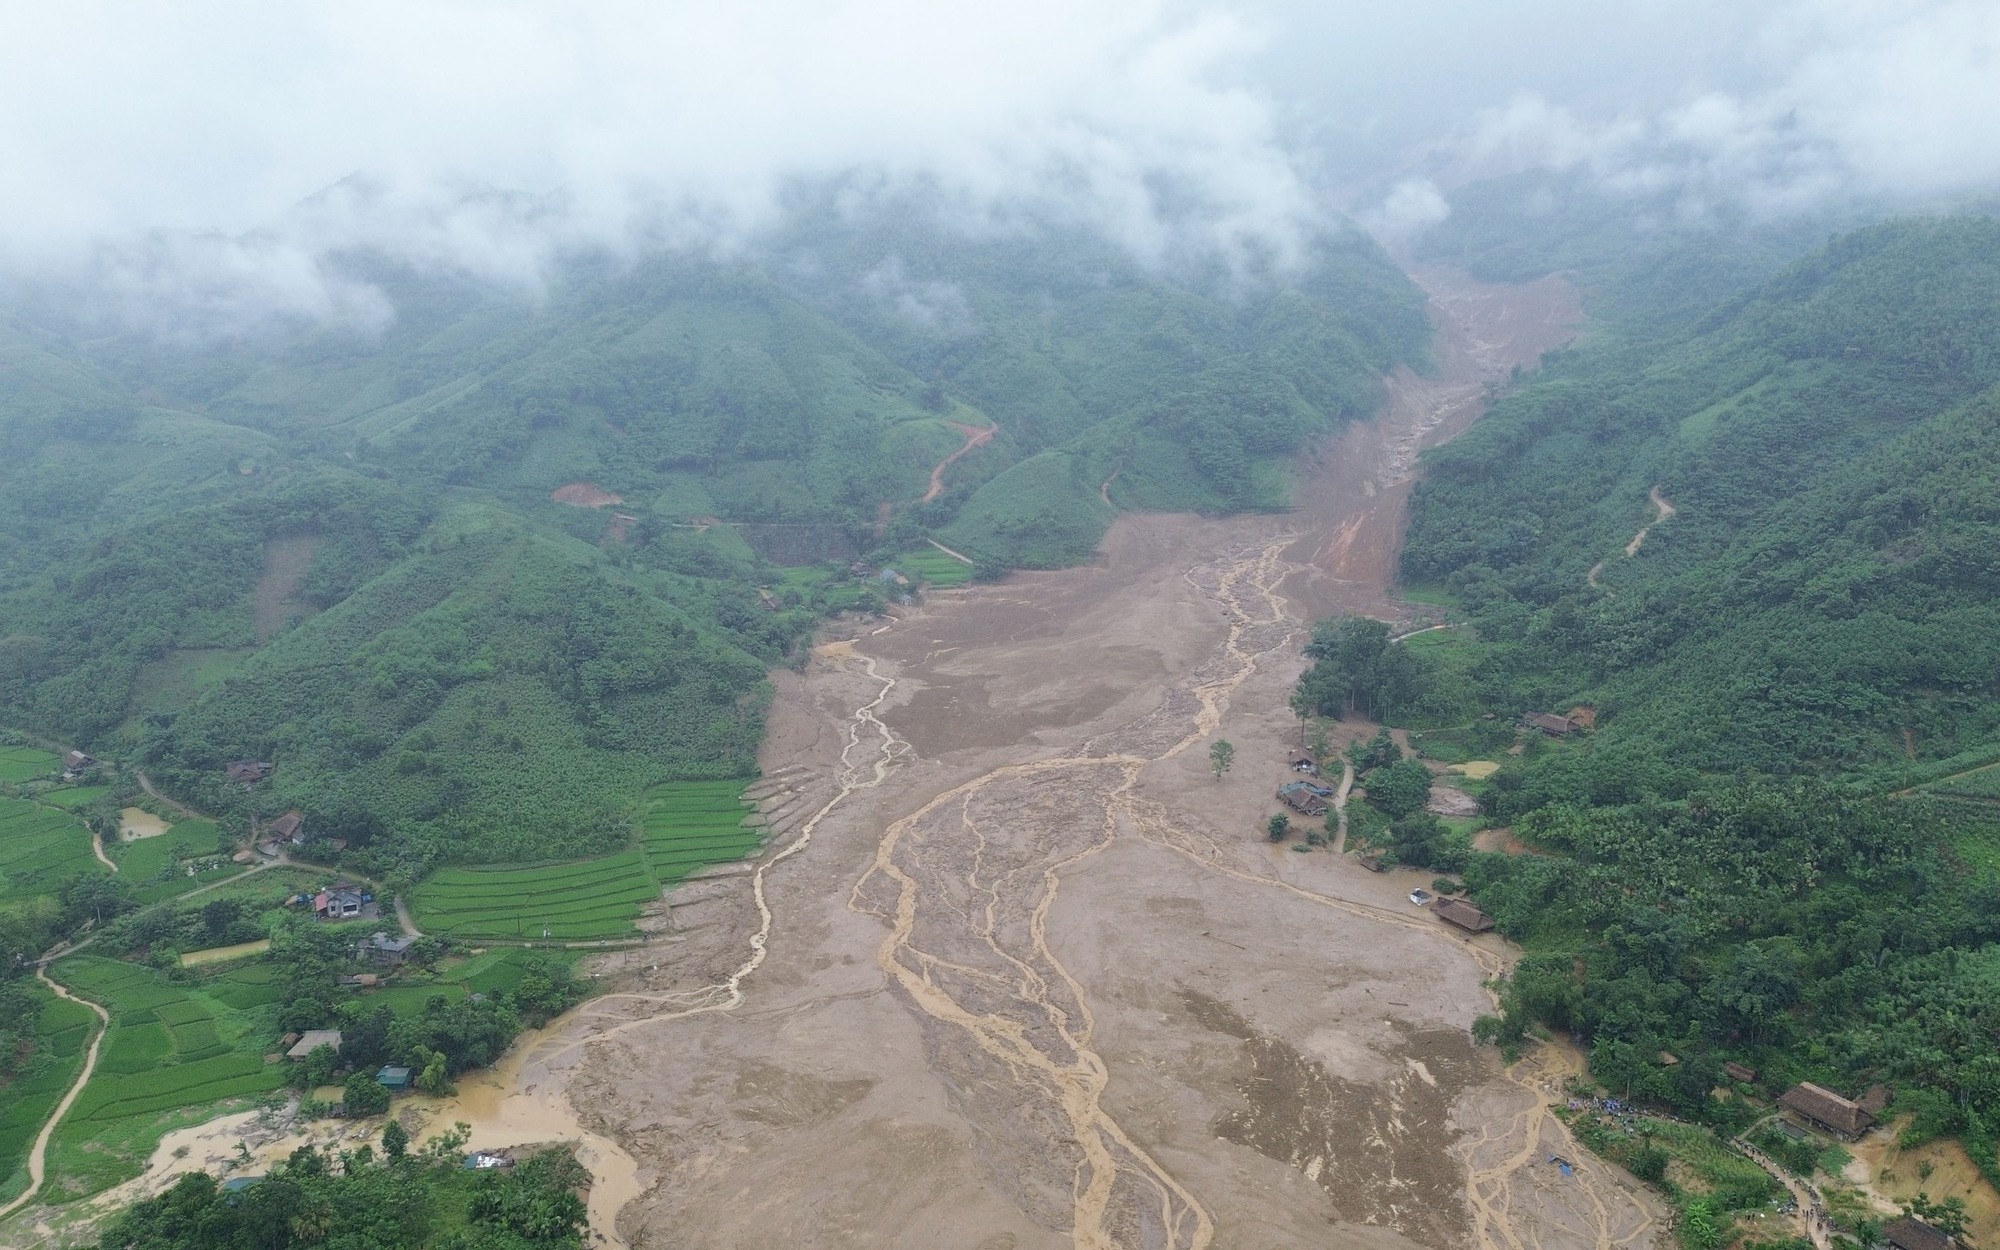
x=975 y=438
x=38 y=1154
x=1340 y=793
x=1663 y=511
x=146 y=784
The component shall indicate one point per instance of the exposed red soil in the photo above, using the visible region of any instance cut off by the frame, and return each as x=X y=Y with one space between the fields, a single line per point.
x=975 y=438
x=585 y=495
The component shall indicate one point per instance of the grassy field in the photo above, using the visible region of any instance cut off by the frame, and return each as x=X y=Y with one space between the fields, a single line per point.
x=25 y=763
x=595 y=898
x=61 y=1034
x=40 y=848
x=173 y=1048
x=934 y=567
x=143 y=863
x=71 y=798
x=691 y=824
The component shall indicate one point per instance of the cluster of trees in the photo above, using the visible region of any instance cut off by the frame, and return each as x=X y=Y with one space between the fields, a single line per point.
x=1358 y=670
x=355 y=1200
x=448 y=1037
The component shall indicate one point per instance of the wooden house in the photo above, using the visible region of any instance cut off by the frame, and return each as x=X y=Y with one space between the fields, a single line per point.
x=1300 y=798
x=1550 y=724
x=247 y=772
x=1910 y=1233
x=1825 y=1110
x=1463 y=914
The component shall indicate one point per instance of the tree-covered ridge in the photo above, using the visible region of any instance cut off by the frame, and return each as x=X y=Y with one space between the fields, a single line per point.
x=1824 y=596
x=1730 y=864
x=339 y=550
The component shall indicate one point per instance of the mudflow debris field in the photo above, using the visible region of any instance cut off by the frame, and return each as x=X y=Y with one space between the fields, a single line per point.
x=1014 y=969
x=1017 y=970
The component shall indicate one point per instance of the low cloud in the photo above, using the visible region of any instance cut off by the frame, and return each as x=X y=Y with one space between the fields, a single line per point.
x=1890 y=102
x=218 y=153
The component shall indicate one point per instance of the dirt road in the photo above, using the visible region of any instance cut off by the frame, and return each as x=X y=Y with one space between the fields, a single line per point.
x=1663 y=511
x=976 y=436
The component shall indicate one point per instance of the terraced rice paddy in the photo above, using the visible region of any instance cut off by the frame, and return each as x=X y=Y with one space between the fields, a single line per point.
x=934 y=566
x=61 y=1032
x=171 y=1046
x=691 y=824
x=40 y=848
x=592 y=898
x=686 y=826
x=24 y=763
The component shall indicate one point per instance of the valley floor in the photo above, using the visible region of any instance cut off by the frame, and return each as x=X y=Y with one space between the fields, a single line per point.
x=1040 y=981
x=1037 y=979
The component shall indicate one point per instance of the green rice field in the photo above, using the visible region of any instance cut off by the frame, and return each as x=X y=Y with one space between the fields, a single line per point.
x=934 y=567
x=171 y=1047
x=691 y=824
x=593 y=898
x=62 y=1031
x=40 y=848
x=72 y=798
x=25 y=763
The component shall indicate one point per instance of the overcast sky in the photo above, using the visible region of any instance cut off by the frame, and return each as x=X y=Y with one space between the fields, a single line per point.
x=623 y=121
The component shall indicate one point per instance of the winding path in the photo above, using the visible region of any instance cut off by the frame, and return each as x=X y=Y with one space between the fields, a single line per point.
x=1663 y=511
x=975 y=438
x=38 y=1156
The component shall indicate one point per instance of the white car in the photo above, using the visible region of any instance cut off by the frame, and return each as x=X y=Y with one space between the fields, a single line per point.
x=1420 y=897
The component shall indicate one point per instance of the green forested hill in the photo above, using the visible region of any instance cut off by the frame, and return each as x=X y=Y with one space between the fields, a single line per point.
x=338 y=548
x=1778 y=844
x=1826 y=595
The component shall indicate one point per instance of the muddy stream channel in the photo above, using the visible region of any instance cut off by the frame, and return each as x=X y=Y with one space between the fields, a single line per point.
x=1021 y=972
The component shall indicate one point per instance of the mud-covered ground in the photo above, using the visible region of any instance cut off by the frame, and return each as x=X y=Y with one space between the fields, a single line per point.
x=1038 y=980
x=1021 y=972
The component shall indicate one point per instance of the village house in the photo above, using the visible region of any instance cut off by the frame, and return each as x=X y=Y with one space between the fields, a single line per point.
x=343 y=900
x=1738 y=1072
x=311 y=1040
x=247 y=772
x=1825 y=1110
x=1300 y=798
x=393 y=1079
x=290 y=827
x=76 y=764
x=1913 y=1234
x=1553 y=726
x=1464 y=915
x=384 y=951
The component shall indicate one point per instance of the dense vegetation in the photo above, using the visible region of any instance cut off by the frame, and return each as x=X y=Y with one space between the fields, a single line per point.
x=357 y=1200
x=340 y=551
x=1732 y=863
